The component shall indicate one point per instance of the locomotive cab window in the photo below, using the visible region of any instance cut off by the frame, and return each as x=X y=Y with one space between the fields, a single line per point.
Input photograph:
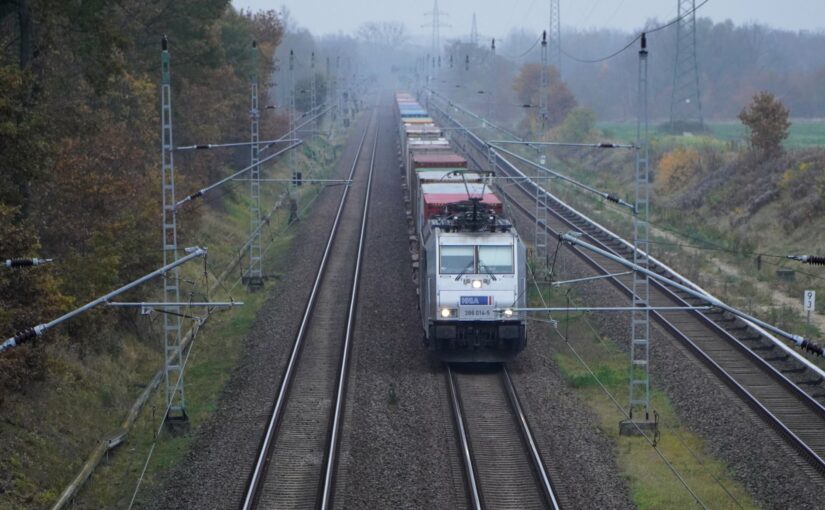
x=495 y=259
x=457 y=259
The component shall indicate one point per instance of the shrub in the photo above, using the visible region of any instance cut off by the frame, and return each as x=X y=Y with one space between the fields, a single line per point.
x=578 y=126
x=767 y=119
x=676 y=169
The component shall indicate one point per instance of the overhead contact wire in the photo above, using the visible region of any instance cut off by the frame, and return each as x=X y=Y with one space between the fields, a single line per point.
x=633 y=41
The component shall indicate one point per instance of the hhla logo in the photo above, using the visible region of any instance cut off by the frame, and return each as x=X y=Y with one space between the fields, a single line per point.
x=476 y=300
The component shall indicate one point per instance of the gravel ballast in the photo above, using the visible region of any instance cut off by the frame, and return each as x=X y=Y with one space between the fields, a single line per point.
x=403 y=454
x=214 y=472
x=756 y=456
x=396 y=451
x=398 y=448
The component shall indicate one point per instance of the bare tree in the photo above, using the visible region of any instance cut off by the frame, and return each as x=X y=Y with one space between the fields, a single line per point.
x=385 y=33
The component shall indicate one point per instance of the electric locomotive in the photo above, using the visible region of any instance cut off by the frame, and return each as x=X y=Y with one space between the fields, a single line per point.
x=471 y=264
x=472 y=273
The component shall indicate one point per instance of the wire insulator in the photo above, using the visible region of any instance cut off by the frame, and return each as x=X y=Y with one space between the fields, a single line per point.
x=613 y=198
x=12 y=263
x=817 y=261
x=25 y=335
x=808 y=259
x=19 y=262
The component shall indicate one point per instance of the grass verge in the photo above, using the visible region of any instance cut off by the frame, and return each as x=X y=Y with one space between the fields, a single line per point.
x=214 y=353
x=802 y=133
x=653 y=485
x=49 y=430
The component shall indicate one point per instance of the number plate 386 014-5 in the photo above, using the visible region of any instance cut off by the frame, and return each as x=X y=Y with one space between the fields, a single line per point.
x=475 y=312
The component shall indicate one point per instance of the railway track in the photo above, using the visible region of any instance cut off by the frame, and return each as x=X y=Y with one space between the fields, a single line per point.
x=503 y=466
x=788 y=396
x=296 y=460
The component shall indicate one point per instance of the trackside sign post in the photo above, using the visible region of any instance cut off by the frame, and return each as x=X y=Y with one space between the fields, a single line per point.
x=809 y=303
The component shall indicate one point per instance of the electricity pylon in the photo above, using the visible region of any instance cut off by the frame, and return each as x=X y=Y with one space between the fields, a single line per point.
x=686 y=101
x=554 y=33
x=436 y=26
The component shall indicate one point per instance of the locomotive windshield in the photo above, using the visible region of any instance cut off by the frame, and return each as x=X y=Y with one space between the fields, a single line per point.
x=495 y=259
x=476 y=259
x=457 y=259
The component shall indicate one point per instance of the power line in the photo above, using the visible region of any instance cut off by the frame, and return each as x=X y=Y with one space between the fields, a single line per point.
x=633 y=41
x=33 y=332
x=526 y=52
x=649 y=440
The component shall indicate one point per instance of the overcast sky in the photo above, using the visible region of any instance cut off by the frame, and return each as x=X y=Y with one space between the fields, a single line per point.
x=497 y=17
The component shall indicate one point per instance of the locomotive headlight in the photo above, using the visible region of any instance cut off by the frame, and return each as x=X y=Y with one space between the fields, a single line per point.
x=445 y=312
x=476 y=284
x=508 y=312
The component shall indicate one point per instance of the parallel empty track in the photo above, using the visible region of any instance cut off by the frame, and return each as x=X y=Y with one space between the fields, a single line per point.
x=296 y=460
x=501 y=460
x=779 y=388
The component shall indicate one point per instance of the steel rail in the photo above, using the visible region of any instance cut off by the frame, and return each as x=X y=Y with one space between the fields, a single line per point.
x=506 y=402
x=481 y=145
x=466 y=455
x=340 y=396
x=771 y=418
x=253 y=487
x=527 y=434
x=677 y=281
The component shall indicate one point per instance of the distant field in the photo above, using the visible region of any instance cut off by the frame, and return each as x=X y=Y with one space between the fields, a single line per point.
x=803 y=133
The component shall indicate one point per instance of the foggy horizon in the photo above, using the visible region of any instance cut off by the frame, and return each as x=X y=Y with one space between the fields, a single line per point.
x=623 y=15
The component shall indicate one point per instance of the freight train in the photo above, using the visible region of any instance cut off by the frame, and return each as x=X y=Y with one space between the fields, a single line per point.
x=469 y=261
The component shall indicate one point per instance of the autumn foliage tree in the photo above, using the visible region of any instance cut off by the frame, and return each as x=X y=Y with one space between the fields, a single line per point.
x=767 y=119
x=79 y=147
x=558 y=98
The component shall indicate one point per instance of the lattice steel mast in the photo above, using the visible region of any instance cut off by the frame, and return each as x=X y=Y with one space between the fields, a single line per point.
x=313 y=99
x=254 y=277
x=173 y=359
x=540 y=246
x=493 y=80
x=554 y=34
x=339 y=111
x=291 y=155
x=544 y=82
x=474 y=31
x=686 y=101
x=640 y=320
